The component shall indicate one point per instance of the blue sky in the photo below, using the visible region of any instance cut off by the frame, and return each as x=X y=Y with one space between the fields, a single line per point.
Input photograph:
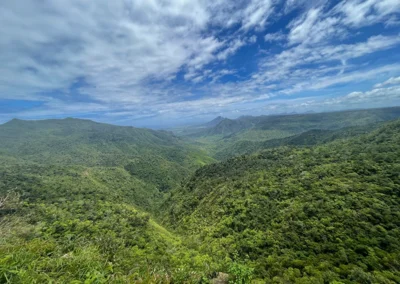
x=160 y=63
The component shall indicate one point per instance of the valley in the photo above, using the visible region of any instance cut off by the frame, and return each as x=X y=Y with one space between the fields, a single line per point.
x=311 y=198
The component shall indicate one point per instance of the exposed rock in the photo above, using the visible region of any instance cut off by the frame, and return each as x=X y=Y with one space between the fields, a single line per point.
x=222 y=278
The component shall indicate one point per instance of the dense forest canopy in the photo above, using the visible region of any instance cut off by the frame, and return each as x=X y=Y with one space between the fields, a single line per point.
x=309 y=198
x=226 y=138
x=315 y=215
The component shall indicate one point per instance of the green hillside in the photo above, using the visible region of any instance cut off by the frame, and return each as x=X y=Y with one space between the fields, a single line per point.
x=79 y=197
x=85 y=202
x=155 y=157
x=308 y=138
x=77 y=225
x=78 y=202
x=327 y=214
x=248 y=129
x=84 y=142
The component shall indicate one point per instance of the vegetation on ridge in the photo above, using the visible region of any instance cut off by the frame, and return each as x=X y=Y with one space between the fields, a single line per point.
x=301 y=215
x=222 y=140
x=82 y=202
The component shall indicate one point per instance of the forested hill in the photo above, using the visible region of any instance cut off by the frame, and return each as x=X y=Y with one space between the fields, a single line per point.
x=298 y=123
x=156 y=157
x=76 y=203
x=84 y=142
x=85 y=202
x=326 y=214
x=308 y=138
x=72 y=224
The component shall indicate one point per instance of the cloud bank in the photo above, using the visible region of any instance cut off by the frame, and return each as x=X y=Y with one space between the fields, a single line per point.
x=147 y=62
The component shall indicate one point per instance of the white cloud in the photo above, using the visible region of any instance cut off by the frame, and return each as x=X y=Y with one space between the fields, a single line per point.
x=368 y=99
x=282 y=66
x=366 y=12
x=253 y=39
x=217 y=75
x=231 y=49
x=274 y=37
x=113 y=45
x=319 y=24
x=128 y=56
x=251 y=14
x=355 y=76
x=375 y=96
x=300 y=28
x=391 y=81
x=291 y=5
x=116 y=47
x=256 y=14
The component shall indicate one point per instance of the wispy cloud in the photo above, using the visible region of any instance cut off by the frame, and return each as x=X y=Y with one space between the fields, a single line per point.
x=391 y=81
x=364 y=13
x=158 y=58
x=274 y=37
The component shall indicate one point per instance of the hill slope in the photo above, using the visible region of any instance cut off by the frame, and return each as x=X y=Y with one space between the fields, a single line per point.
x=301 y=215
x=222 y=140
x=214 y=122
x=308 y=138
x=79 y=196
x=155 y=157
x=73 y=225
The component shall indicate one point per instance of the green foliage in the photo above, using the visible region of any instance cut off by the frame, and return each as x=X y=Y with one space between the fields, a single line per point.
x=82 y=202
x=298 y=123
x=84 y=188
x=91 y=144
x=308 y=138
x=305 y=215
x=71 y=225
x=248 y=134
x=241 y=274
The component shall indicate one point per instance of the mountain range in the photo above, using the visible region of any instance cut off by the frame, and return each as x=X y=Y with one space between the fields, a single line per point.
x=304 y=198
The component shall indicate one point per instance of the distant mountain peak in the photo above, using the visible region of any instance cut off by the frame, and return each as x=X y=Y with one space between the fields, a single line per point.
x=215 y=121
x=218 y=118
x=13 y=121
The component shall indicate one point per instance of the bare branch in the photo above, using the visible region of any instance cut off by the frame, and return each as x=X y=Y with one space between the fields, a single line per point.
x=3 y=201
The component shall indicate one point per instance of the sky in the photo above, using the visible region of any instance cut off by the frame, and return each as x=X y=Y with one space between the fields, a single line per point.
x=158 y=63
